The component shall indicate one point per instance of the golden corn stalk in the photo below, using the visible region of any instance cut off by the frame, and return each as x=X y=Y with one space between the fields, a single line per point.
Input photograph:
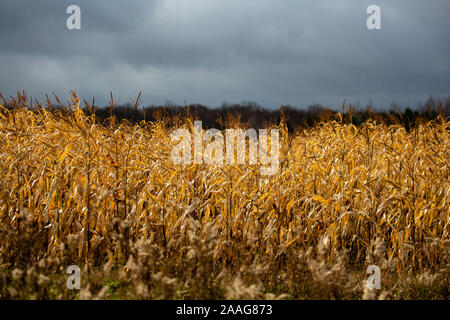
x=68 y=182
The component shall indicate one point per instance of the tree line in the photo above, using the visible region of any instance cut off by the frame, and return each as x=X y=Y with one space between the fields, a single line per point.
x=249 y=114
x=255 y=116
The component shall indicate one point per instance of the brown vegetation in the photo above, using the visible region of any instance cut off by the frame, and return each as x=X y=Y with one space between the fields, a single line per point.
x=107 y=197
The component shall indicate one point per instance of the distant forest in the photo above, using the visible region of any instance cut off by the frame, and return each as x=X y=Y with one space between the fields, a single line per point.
x=252 y=115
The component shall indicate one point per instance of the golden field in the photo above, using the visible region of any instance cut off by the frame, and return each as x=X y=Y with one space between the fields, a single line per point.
x=107 y=197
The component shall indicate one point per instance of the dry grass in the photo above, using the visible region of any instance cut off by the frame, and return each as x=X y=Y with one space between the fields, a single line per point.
x=108 y=198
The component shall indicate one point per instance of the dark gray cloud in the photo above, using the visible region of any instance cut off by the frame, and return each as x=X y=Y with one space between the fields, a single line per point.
x=210 y=51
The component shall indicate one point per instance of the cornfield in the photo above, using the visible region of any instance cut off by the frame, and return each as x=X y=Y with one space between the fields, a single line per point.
x=108 y=198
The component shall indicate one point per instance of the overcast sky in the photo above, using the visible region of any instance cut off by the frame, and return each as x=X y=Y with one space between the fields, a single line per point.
x=209 y=51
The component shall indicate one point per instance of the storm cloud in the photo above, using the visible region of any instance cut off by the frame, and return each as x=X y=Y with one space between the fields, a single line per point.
x=209 y=51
